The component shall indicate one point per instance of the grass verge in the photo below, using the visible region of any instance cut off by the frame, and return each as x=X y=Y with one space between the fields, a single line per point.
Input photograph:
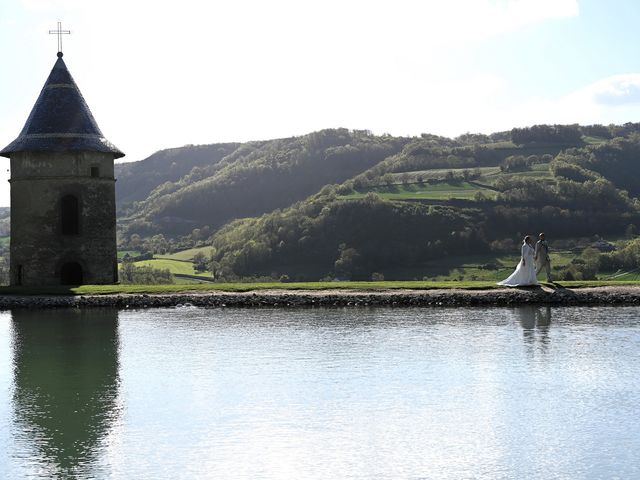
x=248 y=287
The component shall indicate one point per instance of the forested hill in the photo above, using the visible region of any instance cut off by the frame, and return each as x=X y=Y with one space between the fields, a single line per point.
x=198 y=187
x=349 y=204
x=136 y=180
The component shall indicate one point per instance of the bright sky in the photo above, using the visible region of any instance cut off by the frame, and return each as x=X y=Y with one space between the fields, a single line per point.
x=159 y=74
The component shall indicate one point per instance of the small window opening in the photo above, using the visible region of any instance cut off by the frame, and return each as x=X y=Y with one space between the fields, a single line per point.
x=95 y=171
x=70 y=215
x=19 y=275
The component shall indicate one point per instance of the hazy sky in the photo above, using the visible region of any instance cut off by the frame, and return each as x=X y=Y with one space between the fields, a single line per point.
x=160 y=74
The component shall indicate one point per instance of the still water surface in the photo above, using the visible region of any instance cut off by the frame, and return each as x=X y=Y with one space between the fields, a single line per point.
x=343 y=393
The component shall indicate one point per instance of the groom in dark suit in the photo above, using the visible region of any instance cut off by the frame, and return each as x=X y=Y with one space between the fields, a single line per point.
x=541 y=257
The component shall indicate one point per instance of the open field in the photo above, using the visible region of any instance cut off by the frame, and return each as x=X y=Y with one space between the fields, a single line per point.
x=483 y=267
x=174 y=266
x=509 y=148
x=589 y=140
x=439 y=174
x=486 y=267
x=539 y=171
x=633 y=276
x=180 y=280
x=440 y=191
x=131 y=253
x=416 y=187
x=186 y=255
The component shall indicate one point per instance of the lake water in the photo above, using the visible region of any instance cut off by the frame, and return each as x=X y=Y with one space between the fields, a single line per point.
x=312 y=393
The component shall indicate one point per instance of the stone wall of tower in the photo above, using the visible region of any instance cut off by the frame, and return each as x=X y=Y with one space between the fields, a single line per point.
x=40 y=248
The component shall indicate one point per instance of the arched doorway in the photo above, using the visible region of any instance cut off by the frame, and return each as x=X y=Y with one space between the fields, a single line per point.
x=71 y=274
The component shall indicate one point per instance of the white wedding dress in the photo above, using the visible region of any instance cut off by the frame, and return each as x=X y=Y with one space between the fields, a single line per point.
x=525 y=272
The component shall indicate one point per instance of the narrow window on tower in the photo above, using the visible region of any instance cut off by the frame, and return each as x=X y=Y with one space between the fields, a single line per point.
x=95 y=171
x=70 y=214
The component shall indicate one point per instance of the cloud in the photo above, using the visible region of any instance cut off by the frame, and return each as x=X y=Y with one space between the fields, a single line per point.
x=614 y=99
x=617 y=90
x=524 y=12
x=55 y=6
x=459 y=107
x=207 y=71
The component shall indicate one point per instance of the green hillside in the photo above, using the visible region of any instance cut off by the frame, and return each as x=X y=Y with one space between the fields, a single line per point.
x=256 y=178
x=136 y=180
x=350 y=204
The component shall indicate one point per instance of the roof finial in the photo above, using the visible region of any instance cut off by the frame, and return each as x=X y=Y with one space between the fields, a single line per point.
x=60 y=32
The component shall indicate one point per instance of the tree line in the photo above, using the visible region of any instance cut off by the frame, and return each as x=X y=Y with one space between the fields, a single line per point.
x=290 y=233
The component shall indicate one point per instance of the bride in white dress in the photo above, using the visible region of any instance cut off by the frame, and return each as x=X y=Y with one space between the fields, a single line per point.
x=525 y=272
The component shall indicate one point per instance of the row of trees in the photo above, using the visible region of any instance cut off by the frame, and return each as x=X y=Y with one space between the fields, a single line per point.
x=591 y=262
x=616 y=160
x=320 y=232
x=159 y=244
x=520 y=163
x=547 y=134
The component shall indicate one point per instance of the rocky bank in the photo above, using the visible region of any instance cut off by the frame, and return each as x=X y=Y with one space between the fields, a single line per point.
x=623 y=295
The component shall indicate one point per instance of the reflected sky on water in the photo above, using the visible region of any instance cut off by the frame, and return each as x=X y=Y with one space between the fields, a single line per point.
x=529 y=392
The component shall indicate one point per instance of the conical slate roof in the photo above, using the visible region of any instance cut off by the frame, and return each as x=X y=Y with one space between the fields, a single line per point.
x=60 y=120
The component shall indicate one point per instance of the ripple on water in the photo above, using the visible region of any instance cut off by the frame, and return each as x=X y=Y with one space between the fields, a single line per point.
x=529 y=392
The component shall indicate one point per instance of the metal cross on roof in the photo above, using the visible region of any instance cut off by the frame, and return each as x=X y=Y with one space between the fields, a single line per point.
x=60 y=32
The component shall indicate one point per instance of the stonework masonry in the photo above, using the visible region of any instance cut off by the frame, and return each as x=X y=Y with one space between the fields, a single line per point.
x=39 y=246
x=63 y=207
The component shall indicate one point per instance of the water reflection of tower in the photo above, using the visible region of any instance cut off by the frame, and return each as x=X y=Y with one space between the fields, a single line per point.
x=66 y=385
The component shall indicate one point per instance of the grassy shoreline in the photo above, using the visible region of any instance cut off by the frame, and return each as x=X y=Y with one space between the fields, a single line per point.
x=300 y=286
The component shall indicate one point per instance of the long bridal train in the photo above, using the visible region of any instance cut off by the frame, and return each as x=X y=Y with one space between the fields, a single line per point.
x=525 y=272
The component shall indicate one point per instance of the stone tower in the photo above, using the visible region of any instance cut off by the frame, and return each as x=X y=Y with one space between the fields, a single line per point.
x=63 y=212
